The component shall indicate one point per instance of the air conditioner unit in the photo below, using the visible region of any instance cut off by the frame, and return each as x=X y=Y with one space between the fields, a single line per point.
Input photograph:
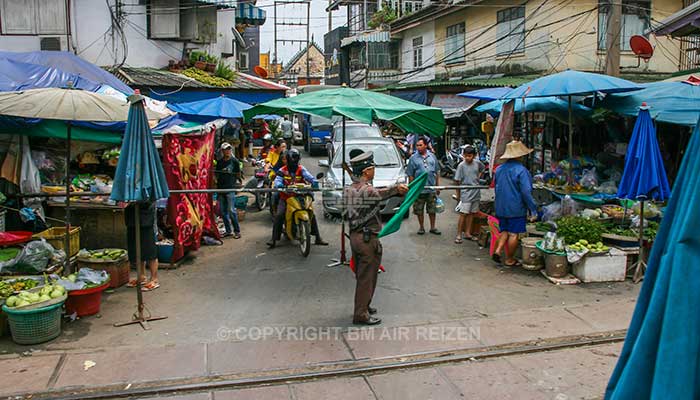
x=53 y=43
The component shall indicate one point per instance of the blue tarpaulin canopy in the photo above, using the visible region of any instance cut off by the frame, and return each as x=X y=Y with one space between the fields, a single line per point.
x=487 y=94
x=659 y=359
x=571 y=83
x=15 y=75
x=267 y=117
x=671 y=102
x=217 y=107
x=644 y=175
x=537 y=104
x=68 y=63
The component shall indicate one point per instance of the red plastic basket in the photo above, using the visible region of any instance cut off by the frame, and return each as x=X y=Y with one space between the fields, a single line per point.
x=85 y=302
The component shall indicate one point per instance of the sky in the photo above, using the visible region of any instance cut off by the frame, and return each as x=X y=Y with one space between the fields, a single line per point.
x=295 y=13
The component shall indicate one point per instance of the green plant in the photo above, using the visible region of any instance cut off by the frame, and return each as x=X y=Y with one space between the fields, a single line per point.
x=384 y=16
x=210 y=59
x=203 y=77
x=196 y=55
x=573 y=229
x=223 y=71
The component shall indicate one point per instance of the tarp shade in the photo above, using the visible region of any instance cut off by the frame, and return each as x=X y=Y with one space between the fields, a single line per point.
x=671 y=102
x=419 y=96
x=56 y=130
x=184 y=96
x=15 y=75
x=68 y=63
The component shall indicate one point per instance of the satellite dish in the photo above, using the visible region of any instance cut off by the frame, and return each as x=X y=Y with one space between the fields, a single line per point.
x=262 y=72
x=641 y=47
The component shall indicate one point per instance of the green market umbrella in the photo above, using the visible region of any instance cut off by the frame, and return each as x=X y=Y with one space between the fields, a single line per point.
x=360 y=105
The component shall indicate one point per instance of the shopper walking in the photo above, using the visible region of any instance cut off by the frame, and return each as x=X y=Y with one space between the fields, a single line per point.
x=425 y=161
x=513 y=201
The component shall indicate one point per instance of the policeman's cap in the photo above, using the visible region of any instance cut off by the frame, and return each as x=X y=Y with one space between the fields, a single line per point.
x=361 y=162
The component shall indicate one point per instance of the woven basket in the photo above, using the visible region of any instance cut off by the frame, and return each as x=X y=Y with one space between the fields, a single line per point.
x=34 y=326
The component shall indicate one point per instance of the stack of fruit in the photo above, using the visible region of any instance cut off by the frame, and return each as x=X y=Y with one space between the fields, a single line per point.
x=593 y=248
x=6 y=290
x=23 y=284
x=25 y=298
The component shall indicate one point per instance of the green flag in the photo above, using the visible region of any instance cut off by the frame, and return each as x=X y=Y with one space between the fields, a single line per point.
x=414 y=190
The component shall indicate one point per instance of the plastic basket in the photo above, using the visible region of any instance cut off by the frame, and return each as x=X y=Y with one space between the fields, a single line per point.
x=85 y=302
x=34 y=326
x=118 y=270
x=241 y=202
x=57 y=238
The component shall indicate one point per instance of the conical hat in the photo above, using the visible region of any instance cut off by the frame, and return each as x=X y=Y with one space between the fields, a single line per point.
x=515 y=149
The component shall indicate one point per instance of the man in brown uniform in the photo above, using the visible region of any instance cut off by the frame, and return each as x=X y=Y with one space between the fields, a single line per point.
x=365 y=223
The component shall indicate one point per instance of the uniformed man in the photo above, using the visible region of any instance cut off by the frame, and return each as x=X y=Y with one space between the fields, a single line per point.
x=363 y=215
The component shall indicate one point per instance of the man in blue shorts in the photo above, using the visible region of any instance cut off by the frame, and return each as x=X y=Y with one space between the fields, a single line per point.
x=513 y=201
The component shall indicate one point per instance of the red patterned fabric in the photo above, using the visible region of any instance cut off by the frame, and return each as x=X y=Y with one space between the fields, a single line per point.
x=188 y=161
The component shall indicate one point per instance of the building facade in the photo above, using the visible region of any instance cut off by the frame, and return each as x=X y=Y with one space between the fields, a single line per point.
x=141 y=33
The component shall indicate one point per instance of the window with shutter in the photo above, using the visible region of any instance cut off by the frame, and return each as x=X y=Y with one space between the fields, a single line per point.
x=164 y=19
x=418 y=52
x=510 y=31
x=33 y=17
x=455 y=44
x=635 y=21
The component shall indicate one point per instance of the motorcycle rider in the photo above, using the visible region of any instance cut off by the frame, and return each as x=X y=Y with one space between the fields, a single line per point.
x=291 y=174
x=267 y=147
x=273 y=161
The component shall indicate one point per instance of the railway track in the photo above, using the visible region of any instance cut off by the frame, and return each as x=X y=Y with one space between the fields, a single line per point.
x=327 y=370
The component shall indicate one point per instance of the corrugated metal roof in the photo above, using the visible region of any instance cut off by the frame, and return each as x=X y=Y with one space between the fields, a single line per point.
x=247 y=13
x=151 y=77
x=512 y=81
x=367 y=37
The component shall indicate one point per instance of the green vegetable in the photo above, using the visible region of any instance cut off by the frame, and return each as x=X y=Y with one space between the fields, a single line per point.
x=11 y=301
x=573 y=229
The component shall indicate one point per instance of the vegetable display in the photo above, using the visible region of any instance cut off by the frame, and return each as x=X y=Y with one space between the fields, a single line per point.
x=573 y=229
x=6 y=290
x=102 y=254
x=25 y=298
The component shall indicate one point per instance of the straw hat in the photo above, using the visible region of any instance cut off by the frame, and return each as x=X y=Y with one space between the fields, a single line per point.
x=515 y=149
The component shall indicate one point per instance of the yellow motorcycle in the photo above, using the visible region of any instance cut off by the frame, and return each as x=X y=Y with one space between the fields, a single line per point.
x=298 y=218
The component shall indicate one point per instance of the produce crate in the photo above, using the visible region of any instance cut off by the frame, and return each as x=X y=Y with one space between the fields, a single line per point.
x=35 y=326
x=610 y=267
x=86 y=301
x=620 y=241
x=57 y=238
x=118 y=270
x=165 y=252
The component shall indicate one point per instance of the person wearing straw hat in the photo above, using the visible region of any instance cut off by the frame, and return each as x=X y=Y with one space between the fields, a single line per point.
x=513 y=201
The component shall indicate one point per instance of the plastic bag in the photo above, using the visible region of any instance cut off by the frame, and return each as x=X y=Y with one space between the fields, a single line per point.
x=589 y=180
x=569 y=206
x=551 y=212
x=439 y=206
x=650 y=210
x=91 y=276
x=608 y=187
x=574 y=256
x=34 y=258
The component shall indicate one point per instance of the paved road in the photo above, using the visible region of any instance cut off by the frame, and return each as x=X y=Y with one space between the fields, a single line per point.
x=242 y=283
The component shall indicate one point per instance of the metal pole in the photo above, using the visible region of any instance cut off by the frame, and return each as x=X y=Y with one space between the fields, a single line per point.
x=308 y=43
x=571 y=130
x=274 y=10
x=139 y=263
x=343 y=256
x=66 y=265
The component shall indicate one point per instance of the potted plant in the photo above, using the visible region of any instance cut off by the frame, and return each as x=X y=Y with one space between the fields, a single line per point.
x=198 y=59
x=211 y=63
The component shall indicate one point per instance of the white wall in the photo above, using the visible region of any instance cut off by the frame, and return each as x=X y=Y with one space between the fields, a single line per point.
x=427 y=31
x=91 y=38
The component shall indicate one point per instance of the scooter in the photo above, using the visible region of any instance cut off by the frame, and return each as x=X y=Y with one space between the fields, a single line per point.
x=451 y=160
x=261 y=180
x=298 y=218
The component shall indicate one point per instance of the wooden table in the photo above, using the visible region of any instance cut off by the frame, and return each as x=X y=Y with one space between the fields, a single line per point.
x=102 y=225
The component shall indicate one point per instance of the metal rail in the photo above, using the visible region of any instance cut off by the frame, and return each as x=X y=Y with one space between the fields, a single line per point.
x=424 y=360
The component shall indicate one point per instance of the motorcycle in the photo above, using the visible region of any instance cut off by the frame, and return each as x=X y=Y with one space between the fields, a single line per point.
x=261 y=180
x=451 y=160
x=298 y=218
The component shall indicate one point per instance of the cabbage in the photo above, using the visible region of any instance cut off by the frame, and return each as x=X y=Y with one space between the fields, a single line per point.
x=11 y=301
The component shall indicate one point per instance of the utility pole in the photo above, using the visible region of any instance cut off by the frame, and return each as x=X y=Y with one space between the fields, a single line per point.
x=330 y=16
x=366 y=26
x=274 y=57
x=612 y=38
x=283 y=3
x=308 y=48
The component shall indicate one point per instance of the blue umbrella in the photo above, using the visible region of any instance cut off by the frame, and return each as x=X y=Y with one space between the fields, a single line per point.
x=219 y=107
x=672 y=102
x=571 y=83
x=538 y=104
x=660 y=357
x=487 y=94
x=644 y=176
x=139 y=178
